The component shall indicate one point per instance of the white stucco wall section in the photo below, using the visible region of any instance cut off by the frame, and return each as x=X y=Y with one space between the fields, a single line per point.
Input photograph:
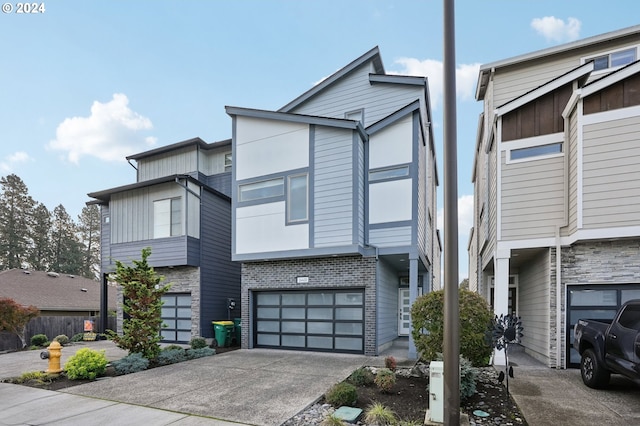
x=262 y=228
x=390 y=201
x=264 y=147
x=392 y=145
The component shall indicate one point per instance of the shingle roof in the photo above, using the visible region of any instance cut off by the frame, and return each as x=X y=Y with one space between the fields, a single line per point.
x=53 y=292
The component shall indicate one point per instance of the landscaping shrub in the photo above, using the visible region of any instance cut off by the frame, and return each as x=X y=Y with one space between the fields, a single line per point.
x=39 y=377
x=468 y=377
x=361 y=377
x=172 y=347
x=390 y=363
x=86 y=364
x=199 y=353
x=385 y=379
x=332 y=420
x=378 y=414
x=427 y=318
x=171 y=356
x=78 y=337
x=198 y=343
x=62 y=339
x=39 y=340
x=131 y=363
x=142 y=291
x=342 y=393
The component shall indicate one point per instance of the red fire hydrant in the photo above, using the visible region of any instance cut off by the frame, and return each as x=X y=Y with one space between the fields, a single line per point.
x=54 y=353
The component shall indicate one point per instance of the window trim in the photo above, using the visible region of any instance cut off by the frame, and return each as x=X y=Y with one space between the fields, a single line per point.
x=608 y=55
x=180 y=225
x=535 y=156
x=259 y=199
x=289 y=199
x=384 y=174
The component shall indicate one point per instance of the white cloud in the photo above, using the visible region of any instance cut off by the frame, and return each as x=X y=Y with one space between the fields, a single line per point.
x=6 y=166
x=557 y=30
x=466 y=77
x=110 y=133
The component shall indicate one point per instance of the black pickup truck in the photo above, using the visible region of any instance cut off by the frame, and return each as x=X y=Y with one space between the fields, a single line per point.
x=610 y=346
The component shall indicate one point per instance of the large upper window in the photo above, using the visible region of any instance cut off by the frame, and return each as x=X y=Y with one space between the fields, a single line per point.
x=614 y=59
x=167 y=218
x=263 y=189
x=298 y=198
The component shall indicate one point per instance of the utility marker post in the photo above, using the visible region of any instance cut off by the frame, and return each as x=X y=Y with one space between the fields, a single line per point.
x=451 y=345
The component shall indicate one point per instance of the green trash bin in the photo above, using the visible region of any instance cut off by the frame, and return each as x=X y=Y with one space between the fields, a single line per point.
x=222 y=333
x=237 y=325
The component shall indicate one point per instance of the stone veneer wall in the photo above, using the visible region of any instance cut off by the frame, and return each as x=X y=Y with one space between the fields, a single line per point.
x=183 y=279
x=594 y=262
x=328 y=272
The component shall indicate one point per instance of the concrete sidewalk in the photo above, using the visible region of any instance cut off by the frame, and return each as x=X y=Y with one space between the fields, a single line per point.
x=547 y=396
x=255 y=387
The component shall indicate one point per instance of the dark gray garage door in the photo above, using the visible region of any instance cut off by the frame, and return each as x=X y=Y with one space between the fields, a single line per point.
x=594 y=302
x=323 y=320
x=176 y=318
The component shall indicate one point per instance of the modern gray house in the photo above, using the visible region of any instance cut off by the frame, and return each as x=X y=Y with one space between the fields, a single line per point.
x=556 y=230
x=334 y=212
x=180 y=207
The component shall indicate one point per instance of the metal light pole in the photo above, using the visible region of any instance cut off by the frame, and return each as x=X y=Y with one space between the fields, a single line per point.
x=451 y=346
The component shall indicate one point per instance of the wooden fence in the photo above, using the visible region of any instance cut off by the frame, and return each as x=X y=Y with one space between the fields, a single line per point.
x=51 y=327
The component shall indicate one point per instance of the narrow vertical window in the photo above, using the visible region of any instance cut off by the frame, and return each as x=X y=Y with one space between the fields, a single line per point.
x=298 y=198
x=167 y=218
x=228 y=162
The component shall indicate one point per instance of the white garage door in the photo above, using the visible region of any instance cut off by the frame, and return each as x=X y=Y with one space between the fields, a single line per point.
x=322 y=320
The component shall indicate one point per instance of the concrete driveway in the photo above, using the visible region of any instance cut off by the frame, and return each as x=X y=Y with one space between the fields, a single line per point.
x=548 y=396
x=256 y=387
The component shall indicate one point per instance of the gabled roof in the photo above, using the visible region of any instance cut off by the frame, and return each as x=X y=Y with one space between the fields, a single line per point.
x=372 y=55
x=577 y=73
x=342 y=123
x=53 y=292
x=487 y=69
x=178 y=145
x=612 y=78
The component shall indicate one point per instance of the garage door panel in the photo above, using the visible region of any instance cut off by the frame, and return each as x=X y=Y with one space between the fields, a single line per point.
x=325 y=320
x=176 y=318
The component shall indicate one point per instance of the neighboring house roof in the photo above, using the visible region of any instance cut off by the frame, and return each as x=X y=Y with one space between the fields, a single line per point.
x=184 y=144
x=103 y=197
x=53 y=292
x=486 y=69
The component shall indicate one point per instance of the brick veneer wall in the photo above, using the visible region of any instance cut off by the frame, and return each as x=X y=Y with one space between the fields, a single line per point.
x=593 y=262
x=323 y=273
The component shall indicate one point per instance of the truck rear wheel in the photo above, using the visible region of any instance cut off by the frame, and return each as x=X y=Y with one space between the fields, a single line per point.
x=594 y=374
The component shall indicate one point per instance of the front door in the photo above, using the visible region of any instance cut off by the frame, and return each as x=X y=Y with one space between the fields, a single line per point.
x=404 y=312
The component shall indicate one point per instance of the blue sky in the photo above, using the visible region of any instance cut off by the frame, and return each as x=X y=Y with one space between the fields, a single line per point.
x=86 y=83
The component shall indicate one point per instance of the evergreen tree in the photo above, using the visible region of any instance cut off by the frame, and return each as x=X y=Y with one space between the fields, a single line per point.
x=16 y=207
x=67 y=250
x=89 y=233
x=39 y=255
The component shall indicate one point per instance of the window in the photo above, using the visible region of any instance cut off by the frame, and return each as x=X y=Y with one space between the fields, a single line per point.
x=630 y=318
x=263 y=189
x=614 y=59
x=390 y=173
x=357 y=115
x=228 y=162
x=536 y=151
x=167 y=218
x=298 y=198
